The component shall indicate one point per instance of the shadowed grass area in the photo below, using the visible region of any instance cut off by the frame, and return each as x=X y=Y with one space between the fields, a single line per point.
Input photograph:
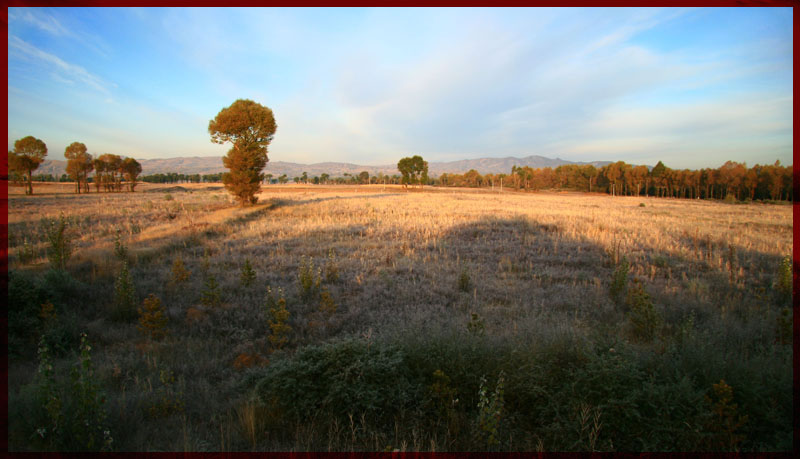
x=418 y=303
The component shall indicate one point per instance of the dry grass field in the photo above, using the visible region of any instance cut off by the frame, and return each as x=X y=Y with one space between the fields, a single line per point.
x=417 y=320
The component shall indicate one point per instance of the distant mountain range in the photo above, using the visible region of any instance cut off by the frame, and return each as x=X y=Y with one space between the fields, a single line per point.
x=213 y=164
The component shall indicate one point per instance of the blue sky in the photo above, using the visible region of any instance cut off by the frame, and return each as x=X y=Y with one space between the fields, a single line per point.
x=691 y=87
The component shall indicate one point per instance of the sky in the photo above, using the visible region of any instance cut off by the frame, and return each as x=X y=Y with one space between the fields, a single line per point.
x=691 y=87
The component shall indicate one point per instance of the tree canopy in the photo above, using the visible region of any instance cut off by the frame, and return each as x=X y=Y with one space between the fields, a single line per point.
x=28 y=154
x=414 y=170
x=79 y=164
x=249 y=127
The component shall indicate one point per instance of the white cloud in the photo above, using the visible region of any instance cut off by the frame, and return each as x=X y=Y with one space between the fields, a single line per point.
x=65 y=72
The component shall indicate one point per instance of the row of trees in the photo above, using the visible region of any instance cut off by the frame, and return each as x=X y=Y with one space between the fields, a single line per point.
x=772 y=182
x=111 y=171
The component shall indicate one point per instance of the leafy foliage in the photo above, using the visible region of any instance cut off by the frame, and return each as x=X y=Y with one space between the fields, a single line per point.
x=414 y=170
x=490 y=410
x=340 y=378
x=250 y=127
x=28 y=154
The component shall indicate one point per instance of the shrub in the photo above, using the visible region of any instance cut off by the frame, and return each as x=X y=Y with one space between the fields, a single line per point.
x=327 y=305
x=726 y=421
x=331 y=268
x=167 y=399
x=476 y=325
x=490 y=411
x=124 y=295
x=619 y=280
x=783 y=283
x=24 y=302
x=120 y=250
x=210 y=295
x=59 y=249
x=76 y=417
x=152 y=318
x=27 y=253
x=730 y=198
x=337 y=379
x=248 y=275
x=642 y=314
x=179 y=272
x=309 y=279
x=278 y=318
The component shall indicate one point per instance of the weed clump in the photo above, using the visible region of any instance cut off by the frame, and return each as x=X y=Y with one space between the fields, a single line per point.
x=783 y=283
x=726 y=422
x=476 y=325
x=210 y=296
x=309 y=279
x=75 y=416
x=619 y=280
x=278 y=318
x=124 y=295
x=60 y=248
x=179 y=272
x=152 y=318
x=327 y=305
x=643 y=316
x=490 y=411
x=464 y=282
x=120 y=251
x=331 y=268
x=248 y=275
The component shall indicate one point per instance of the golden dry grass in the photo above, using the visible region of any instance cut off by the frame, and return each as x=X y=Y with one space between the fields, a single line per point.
x=538 y=264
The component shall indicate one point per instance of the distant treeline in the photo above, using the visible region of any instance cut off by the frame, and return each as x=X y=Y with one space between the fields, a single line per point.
x=760 y=182
x=769 y=182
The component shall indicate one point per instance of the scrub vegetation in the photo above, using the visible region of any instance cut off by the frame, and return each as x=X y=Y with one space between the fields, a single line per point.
x=381 y=318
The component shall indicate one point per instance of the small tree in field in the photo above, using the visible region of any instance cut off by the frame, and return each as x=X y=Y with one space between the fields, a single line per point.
x=250 y=127
x=28 y=154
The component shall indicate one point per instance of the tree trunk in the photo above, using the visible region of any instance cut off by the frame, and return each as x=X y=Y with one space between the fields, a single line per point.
x=30 y=184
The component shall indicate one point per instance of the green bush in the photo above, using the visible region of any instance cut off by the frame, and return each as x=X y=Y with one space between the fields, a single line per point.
x=26 y=295
x=337 y=379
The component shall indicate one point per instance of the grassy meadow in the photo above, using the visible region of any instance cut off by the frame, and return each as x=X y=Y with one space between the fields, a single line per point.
x=375 y=318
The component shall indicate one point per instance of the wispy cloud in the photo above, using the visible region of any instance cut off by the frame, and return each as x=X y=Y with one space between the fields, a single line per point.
x=39 y=19
x=65 y=71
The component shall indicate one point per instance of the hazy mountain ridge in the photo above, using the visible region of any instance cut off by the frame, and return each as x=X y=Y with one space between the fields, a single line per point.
x=213 y=164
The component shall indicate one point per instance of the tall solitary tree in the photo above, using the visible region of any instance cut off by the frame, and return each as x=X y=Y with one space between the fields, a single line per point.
x=249 y=127
x=79 y=164
x=28 y=154
x=414 y=170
